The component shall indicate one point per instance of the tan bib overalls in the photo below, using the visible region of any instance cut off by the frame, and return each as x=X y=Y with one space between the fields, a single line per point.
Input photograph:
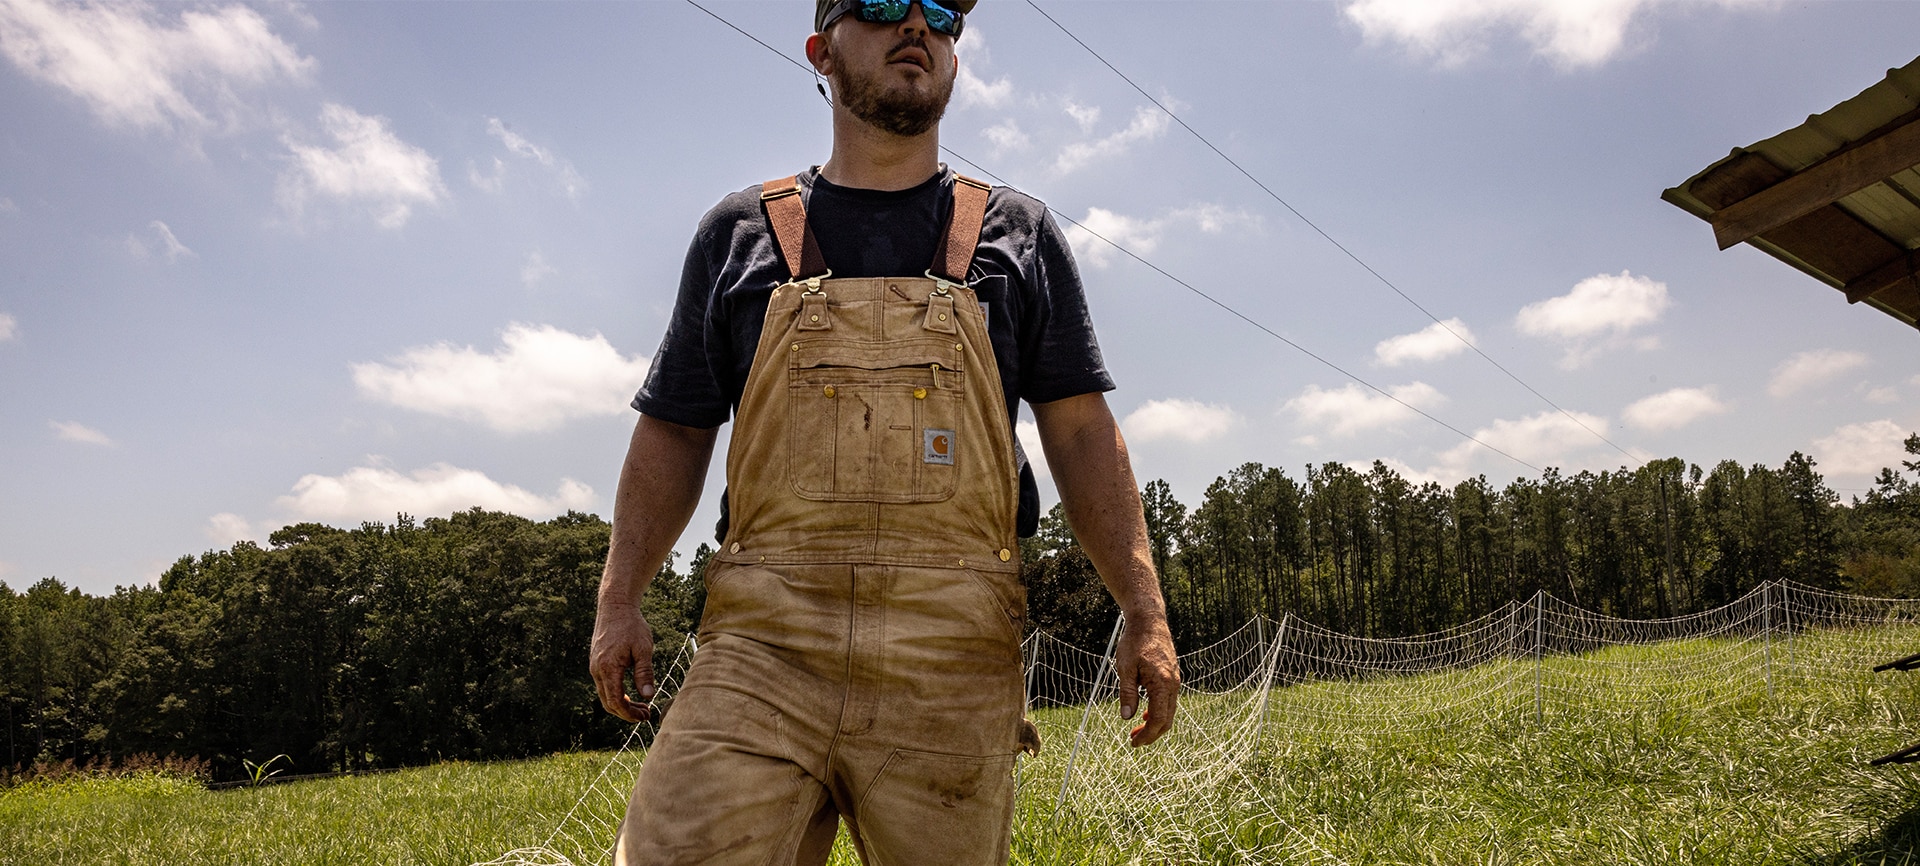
x=860 y=653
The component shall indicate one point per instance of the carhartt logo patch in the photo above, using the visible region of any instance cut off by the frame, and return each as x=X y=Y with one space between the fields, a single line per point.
x=939 y=446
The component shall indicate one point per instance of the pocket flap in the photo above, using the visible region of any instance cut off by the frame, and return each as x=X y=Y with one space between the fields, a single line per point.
x=879 y=356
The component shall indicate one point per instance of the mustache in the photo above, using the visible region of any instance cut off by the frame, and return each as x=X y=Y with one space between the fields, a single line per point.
x=919 y=42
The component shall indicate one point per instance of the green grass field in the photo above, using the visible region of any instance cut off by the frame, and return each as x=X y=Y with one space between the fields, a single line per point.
x=1689 y=752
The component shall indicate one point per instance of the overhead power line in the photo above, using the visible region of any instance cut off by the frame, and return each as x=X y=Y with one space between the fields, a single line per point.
x=1163 y=272
x=1329 y=238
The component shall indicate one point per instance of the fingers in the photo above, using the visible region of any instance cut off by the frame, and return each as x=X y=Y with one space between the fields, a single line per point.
x=622 y=645
x=1162 y=698
x=643 y=681
x=609 y=682
x=1128 y=666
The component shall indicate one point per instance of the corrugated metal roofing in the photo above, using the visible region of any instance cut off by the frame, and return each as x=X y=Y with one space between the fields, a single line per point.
x=1861 y=242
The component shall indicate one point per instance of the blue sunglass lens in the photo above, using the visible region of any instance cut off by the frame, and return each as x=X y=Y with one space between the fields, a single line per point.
x=939 y=18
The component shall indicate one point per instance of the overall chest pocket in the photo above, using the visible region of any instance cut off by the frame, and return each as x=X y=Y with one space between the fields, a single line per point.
x=875 y=421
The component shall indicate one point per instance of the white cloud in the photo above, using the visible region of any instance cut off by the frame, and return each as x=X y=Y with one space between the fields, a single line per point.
x=1431 y=343
x=1142 y=236
x=74 y=431
x=570 y=180
x=1596 y=315
x=970 y=89
x=536 y=270
x=1148 y=124
x=494 y=182
x=227 y=529
x=1812 y=367
x=7 y=206
x=378 y=493
x=9 y=326
x=1442 y=475
x=1084 y=115
x=1185 y=420
x=1570 y=33
x=1546 y=439
x=1006 y=135
x=1670 y=410
x=1353 y=409
x=135 y=69
x=1882 y=395
x=1861 y=449
x=170 y=246
x=540 y=378
x=367 y=165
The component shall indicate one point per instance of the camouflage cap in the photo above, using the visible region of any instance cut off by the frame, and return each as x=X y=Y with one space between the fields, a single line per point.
x=820 y=8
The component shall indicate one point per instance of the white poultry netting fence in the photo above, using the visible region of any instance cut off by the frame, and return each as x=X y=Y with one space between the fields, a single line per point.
x=1198 y=796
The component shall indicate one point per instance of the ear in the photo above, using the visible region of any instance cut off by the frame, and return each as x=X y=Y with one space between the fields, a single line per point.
x=820 y=53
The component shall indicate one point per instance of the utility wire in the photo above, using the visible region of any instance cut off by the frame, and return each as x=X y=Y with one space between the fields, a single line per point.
x=1183 y=283
x=1329 y=238
x=1249 y=320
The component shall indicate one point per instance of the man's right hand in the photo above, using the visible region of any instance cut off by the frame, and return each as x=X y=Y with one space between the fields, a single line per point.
x=622 y=643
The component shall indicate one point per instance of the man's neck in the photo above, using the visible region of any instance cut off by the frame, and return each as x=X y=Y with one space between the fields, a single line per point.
x=867 y=158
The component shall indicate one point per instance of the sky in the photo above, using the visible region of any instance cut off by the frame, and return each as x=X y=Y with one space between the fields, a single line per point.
x=271 y=263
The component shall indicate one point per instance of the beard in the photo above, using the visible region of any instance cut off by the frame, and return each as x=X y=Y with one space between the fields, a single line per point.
x=903 y=111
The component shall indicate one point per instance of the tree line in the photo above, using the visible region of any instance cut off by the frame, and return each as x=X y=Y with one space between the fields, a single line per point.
x=387 y=645
x=465 y=637
x=1368 y=552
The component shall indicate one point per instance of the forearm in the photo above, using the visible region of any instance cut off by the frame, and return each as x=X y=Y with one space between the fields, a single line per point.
x=660 y=484
x=1088 y=457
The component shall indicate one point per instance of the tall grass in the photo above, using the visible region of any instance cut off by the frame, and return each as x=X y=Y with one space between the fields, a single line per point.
x=1673 y=753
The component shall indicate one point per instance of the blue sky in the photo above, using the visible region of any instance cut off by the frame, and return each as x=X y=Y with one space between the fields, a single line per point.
x=278 y=262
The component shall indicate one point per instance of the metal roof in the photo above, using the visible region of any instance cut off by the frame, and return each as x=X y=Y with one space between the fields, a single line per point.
x=1837 y=197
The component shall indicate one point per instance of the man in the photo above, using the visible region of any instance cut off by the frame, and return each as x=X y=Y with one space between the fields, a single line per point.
x=872 y=325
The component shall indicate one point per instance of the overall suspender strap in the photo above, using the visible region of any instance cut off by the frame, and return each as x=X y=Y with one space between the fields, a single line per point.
x=787 y=218
x=955 y=253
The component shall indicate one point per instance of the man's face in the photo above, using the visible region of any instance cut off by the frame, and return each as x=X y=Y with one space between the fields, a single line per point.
x=897 y=77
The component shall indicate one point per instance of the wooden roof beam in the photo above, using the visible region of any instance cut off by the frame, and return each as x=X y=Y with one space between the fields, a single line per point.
x=1819 y=185
x=1884 y=277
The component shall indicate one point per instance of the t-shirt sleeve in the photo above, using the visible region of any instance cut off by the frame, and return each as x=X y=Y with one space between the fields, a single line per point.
x=1062 y=354
x=681 y=386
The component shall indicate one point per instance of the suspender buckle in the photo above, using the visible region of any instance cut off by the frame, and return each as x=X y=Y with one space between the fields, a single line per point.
x=942 y=285
x=813 y=283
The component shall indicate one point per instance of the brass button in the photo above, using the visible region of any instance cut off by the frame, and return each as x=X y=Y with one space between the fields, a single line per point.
x=735 y=548
x=1005 y=554
x=816 y=318
x=943 y=317
x=828 y=390
x=956 y=347
x=919 y=393
x=796 y=347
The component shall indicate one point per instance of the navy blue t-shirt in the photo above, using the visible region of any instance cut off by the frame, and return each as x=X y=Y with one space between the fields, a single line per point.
x=1022 y=271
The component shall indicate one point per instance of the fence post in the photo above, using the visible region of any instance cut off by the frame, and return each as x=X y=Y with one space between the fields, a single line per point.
x=1272 y=665
x=1539 y=646
x=1786 y=613
x=1030 y=657
x=1766 y=625
x=1093 y=693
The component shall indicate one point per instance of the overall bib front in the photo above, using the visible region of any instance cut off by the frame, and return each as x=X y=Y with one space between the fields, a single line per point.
x=860 y=652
